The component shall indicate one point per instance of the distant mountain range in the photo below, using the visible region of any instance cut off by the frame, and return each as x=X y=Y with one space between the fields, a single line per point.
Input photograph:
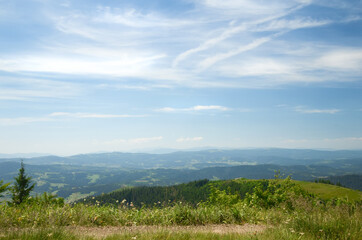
x=199 y=159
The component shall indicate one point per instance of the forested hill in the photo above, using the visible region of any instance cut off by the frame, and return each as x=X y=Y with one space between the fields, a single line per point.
x=353 y=181
x=199 y=191
x=192 y=192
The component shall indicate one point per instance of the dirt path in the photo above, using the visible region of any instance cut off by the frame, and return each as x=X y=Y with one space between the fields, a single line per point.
x=101 y=232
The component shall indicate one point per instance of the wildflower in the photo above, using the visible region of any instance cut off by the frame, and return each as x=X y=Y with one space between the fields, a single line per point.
x=93 y=197
x=301 y=233
x=117 y=201
x=124 y=200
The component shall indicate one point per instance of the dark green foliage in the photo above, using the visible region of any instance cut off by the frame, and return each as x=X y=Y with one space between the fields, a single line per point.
x=46 y=199
x=22 y=187
x=353 y=181
x=326 y=181
x=190 y=193
x=3 y=187
x=277 y=191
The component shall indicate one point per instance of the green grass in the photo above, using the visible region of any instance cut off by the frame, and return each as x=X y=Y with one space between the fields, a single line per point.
x=328 y=191
x=93 y=178
x=76 y=196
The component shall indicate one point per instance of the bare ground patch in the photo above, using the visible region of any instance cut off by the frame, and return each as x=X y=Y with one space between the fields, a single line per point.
x=101 y=232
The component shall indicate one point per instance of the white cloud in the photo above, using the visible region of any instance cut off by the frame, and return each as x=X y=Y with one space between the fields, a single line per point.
x=294 y=64
x=25 y=88
x=194 y=108
x=316 y=111
x=208 y=62
x=128 y=43
x=256 y=67
x=284 y=24
x=189 y=139
x=92 y=115
x=342 y=59
x=136 y=19
x=124 y=65
x=211 y=107
x=251 y=7
x=57 y=116
x=242 y=7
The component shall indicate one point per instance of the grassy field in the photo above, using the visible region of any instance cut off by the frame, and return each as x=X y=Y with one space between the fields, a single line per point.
x=328 y=191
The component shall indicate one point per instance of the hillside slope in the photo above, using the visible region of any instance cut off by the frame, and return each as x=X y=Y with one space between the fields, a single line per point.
x=199 y=191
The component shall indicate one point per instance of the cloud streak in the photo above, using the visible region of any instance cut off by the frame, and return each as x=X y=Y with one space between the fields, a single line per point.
x=316 y=111
x=59 y=116
x=92 y=115
x=194 y=109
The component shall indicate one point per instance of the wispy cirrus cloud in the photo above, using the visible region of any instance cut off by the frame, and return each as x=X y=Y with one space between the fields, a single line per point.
x=131 y=42
x=304 y=110
x=229 y=32
x=28 y=88
x=208 y=62
x=194 y=108
x=133 y=18
x=59 y=116
x=93 y=115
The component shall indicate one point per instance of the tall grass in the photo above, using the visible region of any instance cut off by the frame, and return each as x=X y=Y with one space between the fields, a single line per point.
x=307 y=220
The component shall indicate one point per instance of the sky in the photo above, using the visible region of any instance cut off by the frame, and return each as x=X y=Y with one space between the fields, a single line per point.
x=80 y=76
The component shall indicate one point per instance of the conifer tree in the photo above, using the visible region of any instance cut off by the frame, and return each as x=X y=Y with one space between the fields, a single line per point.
x=22 y=186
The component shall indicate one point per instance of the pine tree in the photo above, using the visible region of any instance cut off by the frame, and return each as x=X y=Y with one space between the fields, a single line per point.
x=22 y=186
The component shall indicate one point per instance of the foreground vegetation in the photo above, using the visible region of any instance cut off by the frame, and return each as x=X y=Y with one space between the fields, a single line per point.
x=285 y=207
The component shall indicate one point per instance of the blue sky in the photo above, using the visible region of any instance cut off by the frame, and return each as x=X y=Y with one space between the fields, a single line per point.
x=90 y=75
